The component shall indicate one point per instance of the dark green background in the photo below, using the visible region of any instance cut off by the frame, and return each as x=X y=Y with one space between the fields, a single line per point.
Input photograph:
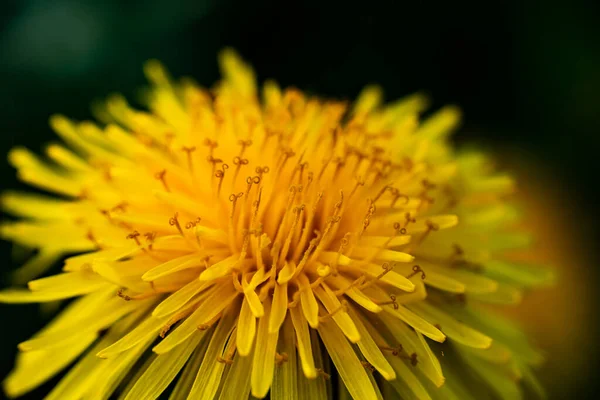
x=526 y=74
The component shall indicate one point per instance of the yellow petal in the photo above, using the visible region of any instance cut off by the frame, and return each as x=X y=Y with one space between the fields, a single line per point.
x=246 y=329
x=174 y=265
x=340 y=317
x=351 y=371
x=418 y=323
x=163 y=370
x=263 y=362
x=36 y=367
x=285 y=378
x=370 y=350
x=178 y=299
x=279 y=307
x=455 y=330
x=208 y=377
x=308 y=302
x=303 y=343
x=215 y=301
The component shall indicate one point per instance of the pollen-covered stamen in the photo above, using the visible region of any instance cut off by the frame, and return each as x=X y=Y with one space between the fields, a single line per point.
x=367 y=220
x=343 y=245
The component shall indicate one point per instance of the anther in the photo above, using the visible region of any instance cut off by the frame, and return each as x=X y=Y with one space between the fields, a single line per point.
x=161 y=177
x=416 y=269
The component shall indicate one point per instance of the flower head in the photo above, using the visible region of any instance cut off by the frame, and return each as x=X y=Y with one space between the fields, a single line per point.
x=239 y=243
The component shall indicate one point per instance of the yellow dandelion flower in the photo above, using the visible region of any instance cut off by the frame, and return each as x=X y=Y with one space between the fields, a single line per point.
x=243 y=244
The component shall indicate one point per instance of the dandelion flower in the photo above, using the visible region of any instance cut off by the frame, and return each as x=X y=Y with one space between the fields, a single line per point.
x=231 y=243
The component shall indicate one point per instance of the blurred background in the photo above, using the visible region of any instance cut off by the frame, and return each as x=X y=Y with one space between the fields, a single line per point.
x=525 y=73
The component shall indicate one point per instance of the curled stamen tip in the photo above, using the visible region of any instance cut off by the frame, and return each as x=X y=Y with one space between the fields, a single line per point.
x=224 y=360
x=281 y=358
x=368 y=366
x=413 y=359
x=432 y=226
x=133 y=235
x=324 y=374
x=121 y=294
